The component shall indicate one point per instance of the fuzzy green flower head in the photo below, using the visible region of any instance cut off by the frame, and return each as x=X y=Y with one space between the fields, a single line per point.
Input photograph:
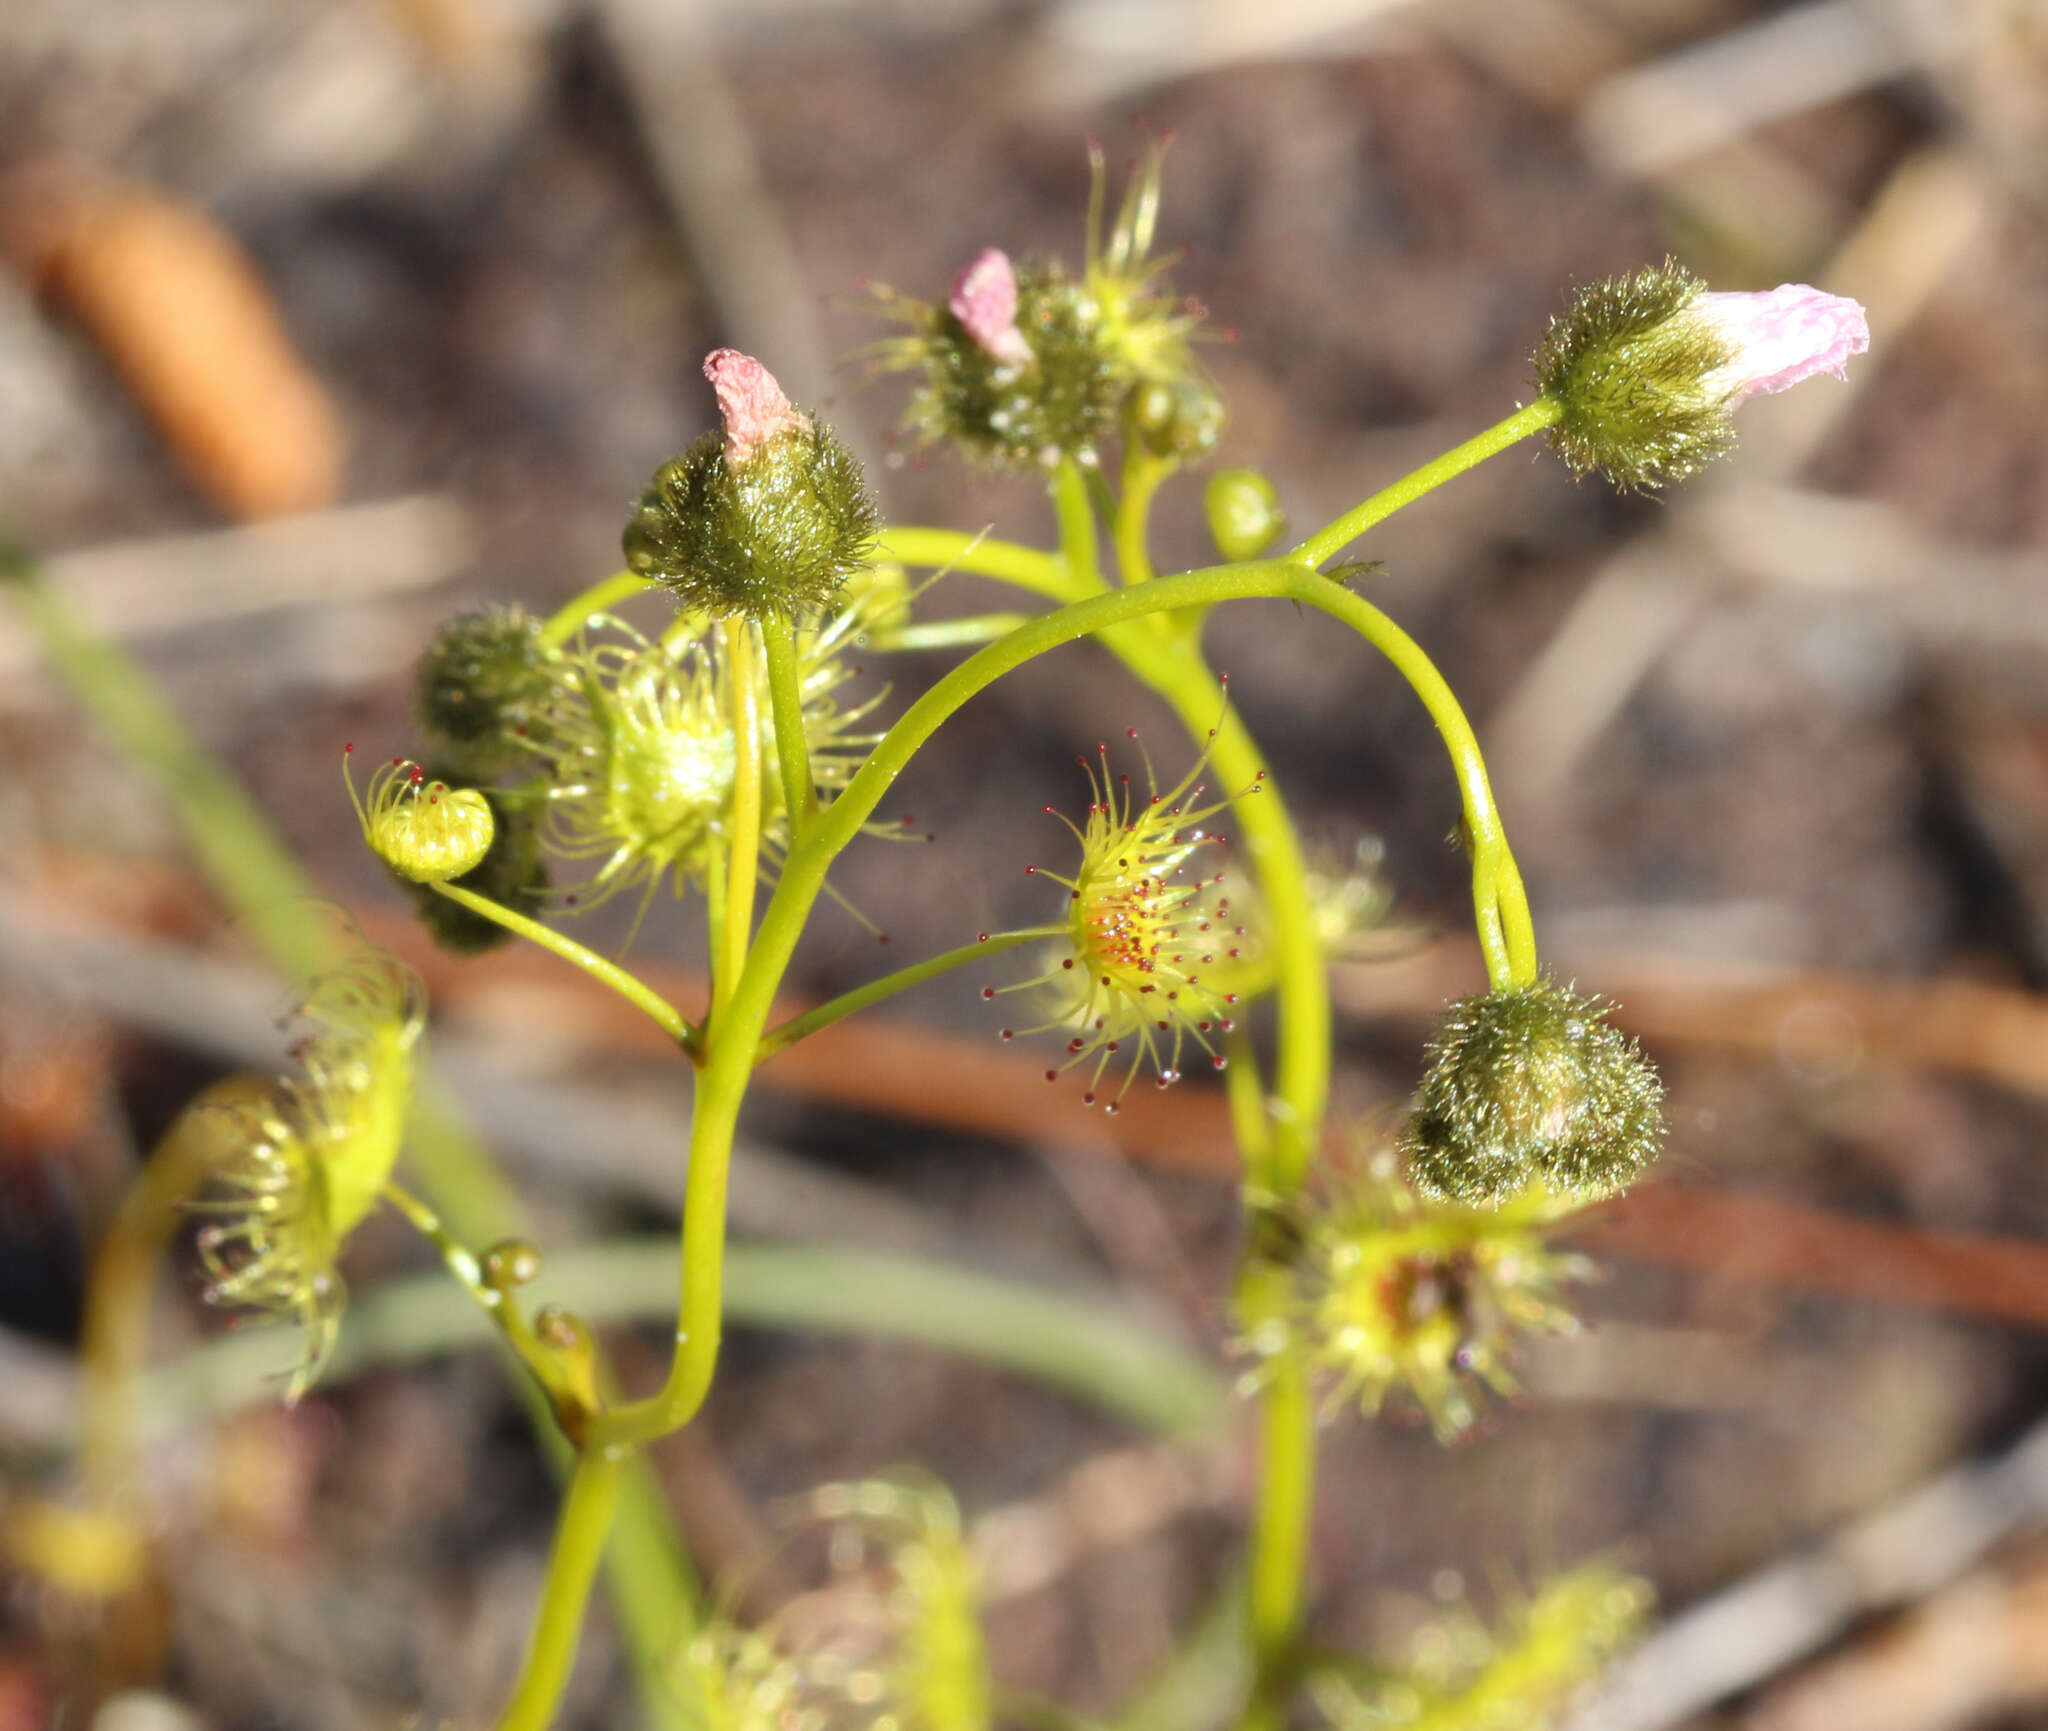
x=1427 y=1300
x=1019 y=391
x=484 y=674
x=1529 y=1083
x=1526 y=1676
x=307 y=1157
x=768 y=517
x=425 y=831
x=1648 y=368
x=1025 y=363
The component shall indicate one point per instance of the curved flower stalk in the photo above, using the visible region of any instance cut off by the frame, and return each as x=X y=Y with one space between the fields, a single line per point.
x=310 y=1156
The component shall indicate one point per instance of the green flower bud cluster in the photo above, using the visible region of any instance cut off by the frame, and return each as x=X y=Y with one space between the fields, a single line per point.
x=1530 y=1084
x=615 y=749
x=1026 y=364
x=1527 y=1675
x=1062 y=401
x=1639 y=381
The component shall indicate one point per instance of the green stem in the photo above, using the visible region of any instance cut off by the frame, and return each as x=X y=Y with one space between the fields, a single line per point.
x=948 y=633
x=1245 y=1089
x=802 y=1027
x=634 y=990
x=979 y=556
x=1333 y=537
x=786 y=705
x=1172 y=665
x=733 y=1040
x=1076 y=517
x=1279 y=1563
x=744 y=865
x=1142 y=476
x=567 y=619
x=540 y=1361
x=572 y=1566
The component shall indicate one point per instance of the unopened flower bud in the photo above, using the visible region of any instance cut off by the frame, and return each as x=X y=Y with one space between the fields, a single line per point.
x=513 y=873
x=1244 y=512
x=423 y=830
x=984 y=300
x=480 y=681
x=1530 y=1082
x=751 y=404
x=767 y=517
x=1647 y=368
x=1176 y=417
x=1781 y=336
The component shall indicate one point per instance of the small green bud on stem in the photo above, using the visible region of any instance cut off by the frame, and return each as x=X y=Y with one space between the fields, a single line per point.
x=1244 y=513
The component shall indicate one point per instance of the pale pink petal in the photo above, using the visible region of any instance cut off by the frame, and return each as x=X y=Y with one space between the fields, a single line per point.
x=984 y=299
x=1781 y=336
x=751 y=404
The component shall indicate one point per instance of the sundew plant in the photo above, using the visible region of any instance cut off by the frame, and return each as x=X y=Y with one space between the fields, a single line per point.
x=712 y=768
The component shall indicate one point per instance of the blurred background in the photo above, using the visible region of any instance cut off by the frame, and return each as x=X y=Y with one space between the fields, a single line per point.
x=323 y=320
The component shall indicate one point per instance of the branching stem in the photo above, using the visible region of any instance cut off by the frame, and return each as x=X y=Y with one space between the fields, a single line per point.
x=801 y=1027
x=606 y=972
x=786 y=706
x=568 y=619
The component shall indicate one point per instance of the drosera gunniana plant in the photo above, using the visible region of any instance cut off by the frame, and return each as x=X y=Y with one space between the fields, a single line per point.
x=714 y=754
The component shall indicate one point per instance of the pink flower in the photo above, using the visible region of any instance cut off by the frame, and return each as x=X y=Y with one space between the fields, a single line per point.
x=984 y=299
x=751 y=404
x=1782 y=336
